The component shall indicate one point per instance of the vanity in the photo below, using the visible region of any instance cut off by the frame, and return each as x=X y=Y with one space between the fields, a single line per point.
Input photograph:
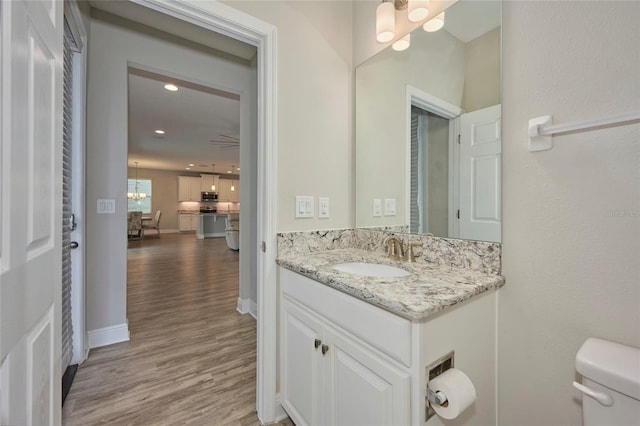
x=356 y=349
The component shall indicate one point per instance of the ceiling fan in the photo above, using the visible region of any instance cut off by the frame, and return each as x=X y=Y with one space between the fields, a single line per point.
x=225 y=142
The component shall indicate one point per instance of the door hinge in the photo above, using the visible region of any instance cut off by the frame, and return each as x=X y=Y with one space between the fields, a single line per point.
x=458 y=214
x=458 y=139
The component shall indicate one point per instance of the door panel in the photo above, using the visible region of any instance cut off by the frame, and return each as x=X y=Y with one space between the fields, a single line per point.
x=301 y=381
x=480 y=175
x=362 y=389
x=31 y=193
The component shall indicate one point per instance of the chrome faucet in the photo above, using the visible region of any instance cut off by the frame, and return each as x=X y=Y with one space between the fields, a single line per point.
x=395 y=249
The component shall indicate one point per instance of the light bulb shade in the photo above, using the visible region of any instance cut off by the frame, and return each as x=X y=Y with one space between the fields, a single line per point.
x=402 y=44
x=418 y=10
x=385 y=22
x=435 y=23
x=233 y=188
x=213 y=187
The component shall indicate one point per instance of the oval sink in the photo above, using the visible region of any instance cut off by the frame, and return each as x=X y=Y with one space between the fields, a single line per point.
x=371 y=269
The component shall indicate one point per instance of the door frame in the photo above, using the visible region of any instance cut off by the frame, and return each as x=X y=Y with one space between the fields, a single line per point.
x=78 y=256
x=223 y=19
x=430 y=103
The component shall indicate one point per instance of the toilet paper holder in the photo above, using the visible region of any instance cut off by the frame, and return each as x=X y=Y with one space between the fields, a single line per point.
x=433 y=370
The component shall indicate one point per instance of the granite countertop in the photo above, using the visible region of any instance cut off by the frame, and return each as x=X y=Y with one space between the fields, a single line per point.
x=429 y=289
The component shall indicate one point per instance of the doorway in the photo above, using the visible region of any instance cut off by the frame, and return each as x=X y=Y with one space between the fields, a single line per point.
x=107 y=181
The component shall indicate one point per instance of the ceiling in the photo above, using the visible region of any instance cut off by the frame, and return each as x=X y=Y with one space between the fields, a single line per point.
x=201 y=125
x=192 y=117
x=468 y=20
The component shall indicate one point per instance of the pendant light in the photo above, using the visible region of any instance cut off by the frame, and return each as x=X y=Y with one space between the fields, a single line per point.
x=418 y=10
x=233 y=188
x=213 y=184
x=136 y=195
x=434 y=24
x=385 y=21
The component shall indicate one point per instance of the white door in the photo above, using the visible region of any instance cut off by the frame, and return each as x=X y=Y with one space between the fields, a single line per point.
x=31 y=212
x=480 y=175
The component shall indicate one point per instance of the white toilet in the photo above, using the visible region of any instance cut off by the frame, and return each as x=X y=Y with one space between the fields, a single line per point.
x=610 y=383
x=232 y=231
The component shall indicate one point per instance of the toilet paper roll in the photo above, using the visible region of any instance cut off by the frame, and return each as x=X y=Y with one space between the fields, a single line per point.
x=459 y=390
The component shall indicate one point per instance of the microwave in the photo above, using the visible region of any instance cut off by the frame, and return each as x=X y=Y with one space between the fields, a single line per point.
x=209 y=196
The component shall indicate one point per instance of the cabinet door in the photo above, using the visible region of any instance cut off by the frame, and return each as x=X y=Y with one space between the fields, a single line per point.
x=301 y=366
x=194 y=222
x=362 y=388
x=205 y=183
x=184 y=188
x=234 y=196
x=225 y=189
x=194 y=189
x=184 y=222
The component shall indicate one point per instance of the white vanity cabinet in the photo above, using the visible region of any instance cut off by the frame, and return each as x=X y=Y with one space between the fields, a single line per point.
x=330 y=376
x=374 y=367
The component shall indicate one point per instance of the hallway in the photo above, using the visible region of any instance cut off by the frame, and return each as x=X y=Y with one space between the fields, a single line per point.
x=191 y=358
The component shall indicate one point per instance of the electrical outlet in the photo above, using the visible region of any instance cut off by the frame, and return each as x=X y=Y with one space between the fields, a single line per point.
x=106 y=206
x=389 y=206
x=304 y=206
x=377 y=207
x=323 y=207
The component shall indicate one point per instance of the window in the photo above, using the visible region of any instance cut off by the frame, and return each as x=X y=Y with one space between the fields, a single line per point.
x=142 y=204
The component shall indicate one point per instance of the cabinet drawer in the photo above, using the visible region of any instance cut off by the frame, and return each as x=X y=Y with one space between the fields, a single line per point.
x=381 y=329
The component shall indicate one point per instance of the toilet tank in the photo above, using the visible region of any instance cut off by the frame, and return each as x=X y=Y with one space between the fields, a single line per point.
x=610 y=383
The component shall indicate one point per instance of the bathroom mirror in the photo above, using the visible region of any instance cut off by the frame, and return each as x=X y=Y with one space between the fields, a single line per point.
x=428 y=142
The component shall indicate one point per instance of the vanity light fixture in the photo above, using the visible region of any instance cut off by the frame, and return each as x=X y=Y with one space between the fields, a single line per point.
x=136 y=195
x=171 y=87
x=385 y=21
x=159 y=132
x=434 y=24
x=402 y=44
x=213 y=185
x=418 y=10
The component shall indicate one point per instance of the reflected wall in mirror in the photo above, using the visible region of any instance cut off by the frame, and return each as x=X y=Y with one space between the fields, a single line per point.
x=428 y=130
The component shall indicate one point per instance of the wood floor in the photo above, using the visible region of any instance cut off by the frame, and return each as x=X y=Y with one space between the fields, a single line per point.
x=191 y=358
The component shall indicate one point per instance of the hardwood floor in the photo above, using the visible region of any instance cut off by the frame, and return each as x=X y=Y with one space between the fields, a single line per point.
x=191 y=358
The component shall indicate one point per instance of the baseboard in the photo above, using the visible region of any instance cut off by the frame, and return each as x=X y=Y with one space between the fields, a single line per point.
x=247 y=306
x=167 y=231
x=280 y=413
x=108 y=335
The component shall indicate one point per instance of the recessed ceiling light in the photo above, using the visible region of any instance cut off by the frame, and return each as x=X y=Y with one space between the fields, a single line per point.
x=191 y=165
x=159 y=132
x=171 y=87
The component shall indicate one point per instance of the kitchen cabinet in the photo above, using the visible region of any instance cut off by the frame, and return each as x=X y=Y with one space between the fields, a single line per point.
x=329 y=377
x=226 y=194
x=207 y=180
x=189 y=188
x=187 y=222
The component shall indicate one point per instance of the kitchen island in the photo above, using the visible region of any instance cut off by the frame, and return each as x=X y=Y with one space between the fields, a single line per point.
x=211 y=225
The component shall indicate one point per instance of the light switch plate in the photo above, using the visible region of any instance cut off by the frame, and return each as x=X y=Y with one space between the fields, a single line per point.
x=106 y=206
x=389 y=206
x=304 y=206
x=377 y=207
x=323 y=207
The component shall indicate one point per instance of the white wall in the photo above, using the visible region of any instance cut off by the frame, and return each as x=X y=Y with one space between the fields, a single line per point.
x=572 y=269
x=113 y=44
x=315 y=151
